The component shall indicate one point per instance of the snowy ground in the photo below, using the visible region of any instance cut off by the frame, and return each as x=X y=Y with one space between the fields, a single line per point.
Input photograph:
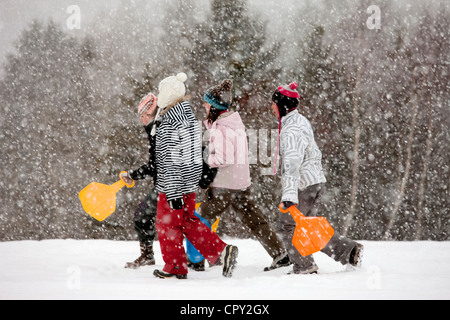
x=93 y=269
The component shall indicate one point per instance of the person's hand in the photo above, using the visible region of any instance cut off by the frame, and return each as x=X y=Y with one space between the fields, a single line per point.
x=125 y=176
x=176 y=204
x=287 y=204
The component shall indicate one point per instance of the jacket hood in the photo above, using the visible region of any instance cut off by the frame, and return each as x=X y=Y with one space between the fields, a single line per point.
x=231 y=120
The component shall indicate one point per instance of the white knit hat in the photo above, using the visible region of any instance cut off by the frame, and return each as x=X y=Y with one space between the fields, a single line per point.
x=171 y=90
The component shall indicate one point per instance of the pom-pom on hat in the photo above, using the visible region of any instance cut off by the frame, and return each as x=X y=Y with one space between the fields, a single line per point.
x=289 y=91
x=148 y=104
x=287 y=98
x=171 y=90
x=220 y=96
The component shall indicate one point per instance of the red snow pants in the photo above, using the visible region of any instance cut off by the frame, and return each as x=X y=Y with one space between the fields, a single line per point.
x=174 y=225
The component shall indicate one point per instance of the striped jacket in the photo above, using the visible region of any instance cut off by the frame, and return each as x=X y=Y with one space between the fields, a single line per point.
x=178 y=152
x=302 y=159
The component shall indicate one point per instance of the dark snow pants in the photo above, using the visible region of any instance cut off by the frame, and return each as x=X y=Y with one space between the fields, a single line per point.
x=174 y=225
x=217 y=200
x=145 y=218
x=338 y=248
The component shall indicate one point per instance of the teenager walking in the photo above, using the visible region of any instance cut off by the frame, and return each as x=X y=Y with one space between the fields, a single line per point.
x=145 y=214
x=179 y=169
x=303 y=180
x=227 y=150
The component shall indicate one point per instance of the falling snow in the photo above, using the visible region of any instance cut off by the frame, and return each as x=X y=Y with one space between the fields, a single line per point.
x=375 y=90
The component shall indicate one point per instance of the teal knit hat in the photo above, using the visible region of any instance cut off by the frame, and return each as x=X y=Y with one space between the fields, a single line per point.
x=220 y=96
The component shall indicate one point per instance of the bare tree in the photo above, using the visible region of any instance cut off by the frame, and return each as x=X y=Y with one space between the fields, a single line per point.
x=357 y=131
x=423 y=175
x=401 y=192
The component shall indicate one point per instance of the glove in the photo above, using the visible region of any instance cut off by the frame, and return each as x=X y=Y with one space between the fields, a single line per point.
x=125 y=176
x=288 y=204
x=208 y=174
x=176 y=204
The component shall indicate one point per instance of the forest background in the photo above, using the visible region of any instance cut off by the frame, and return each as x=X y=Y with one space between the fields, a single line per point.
x=373 y=76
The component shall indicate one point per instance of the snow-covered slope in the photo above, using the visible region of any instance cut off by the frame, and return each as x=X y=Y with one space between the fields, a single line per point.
x=94 y=269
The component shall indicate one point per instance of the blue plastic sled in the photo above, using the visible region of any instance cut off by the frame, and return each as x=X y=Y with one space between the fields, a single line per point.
x=193 y=255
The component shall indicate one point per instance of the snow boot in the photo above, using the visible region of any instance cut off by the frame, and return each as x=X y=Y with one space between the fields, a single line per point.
x=199 y=266
x=355 y=257
x=279 y=261
x=311 y=270
x=147 y=257
x=229 y=258
x=164 y=275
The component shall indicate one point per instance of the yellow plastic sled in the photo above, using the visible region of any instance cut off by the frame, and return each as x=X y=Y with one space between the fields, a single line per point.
x=99 y=200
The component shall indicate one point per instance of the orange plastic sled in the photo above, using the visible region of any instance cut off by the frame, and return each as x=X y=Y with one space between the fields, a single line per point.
x=311 y=234
x=99 y=200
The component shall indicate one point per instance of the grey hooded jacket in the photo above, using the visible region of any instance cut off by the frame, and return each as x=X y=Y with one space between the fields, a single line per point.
x=301 y=157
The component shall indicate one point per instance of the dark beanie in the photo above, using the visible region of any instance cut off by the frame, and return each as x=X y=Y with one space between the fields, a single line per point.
x=286 y=98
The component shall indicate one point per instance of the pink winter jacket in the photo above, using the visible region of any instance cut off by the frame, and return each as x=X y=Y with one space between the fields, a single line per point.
x=228 y=151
